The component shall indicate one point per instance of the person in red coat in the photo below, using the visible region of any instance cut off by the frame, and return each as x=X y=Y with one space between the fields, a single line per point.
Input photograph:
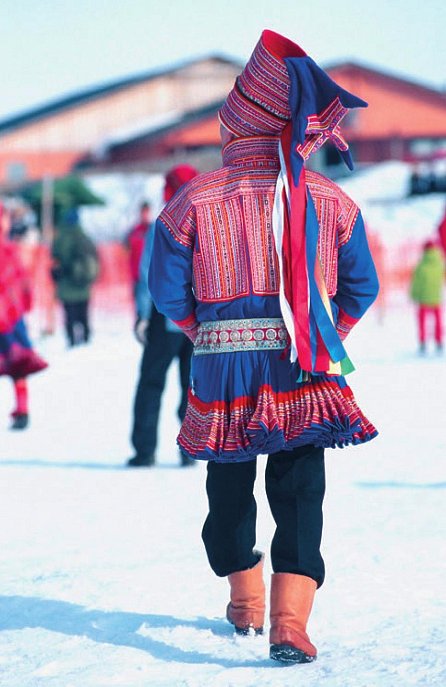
x=442 y=232
x=17 y=358
x=135 y=242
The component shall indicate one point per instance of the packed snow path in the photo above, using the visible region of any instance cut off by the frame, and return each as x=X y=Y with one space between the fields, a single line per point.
x=104 y=580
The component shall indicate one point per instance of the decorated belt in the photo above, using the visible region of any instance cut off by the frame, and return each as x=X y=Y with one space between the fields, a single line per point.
x=229 y=336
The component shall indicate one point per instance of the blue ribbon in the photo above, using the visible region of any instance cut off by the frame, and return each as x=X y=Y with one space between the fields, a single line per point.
x=311 y=91
x=319 y=317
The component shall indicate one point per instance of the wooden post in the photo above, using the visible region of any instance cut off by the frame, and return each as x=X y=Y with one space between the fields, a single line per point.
x=47 y=220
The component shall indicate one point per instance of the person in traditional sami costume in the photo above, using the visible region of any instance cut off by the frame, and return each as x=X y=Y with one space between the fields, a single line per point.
x=17 y=357
x=266 y=267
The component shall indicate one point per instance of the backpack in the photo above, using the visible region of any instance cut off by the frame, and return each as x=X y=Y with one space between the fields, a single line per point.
x=85 y=266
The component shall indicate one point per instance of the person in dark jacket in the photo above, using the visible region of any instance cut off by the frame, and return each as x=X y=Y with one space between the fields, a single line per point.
x=163 y=342
x=75 y=269
x=427 y=291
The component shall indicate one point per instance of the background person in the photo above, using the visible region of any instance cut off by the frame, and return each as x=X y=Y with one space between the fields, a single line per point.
x=426 y=291
x=18 y=360
x=75 y=269
x=163 y=342
x=134 y=242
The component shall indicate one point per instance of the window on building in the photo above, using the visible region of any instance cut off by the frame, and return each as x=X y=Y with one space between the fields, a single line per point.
x=425 y=146
x=15 y=171
x=331 y=155
x=351 y=120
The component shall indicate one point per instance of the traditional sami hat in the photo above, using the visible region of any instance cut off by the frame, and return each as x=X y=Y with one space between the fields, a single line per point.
x=282 y=92
x=176 y=177
x=281 y=84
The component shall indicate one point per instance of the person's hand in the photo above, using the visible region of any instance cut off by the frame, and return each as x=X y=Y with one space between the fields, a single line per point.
x=141 y=330
x=56 y=270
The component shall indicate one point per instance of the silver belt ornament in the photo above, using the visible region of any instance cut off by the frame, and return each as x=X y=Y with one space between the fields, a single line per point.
x=229 y=336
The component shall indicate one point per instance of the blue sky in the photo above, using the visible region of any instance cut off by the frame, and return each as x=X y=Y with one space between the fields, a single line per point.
x=52 y=47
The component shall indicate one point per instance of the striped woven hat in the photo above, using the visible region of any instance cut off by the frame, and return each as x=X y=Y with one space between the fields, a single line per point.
x=280 y=84
x=259 y=101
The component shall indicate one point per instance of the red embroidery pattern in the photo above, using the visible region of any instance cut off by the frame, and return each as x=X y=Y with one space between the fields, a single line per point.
x=189 y=326
x=231 y=427
x=345 y=324
x=337 y=214
x=322 y=127
x=225 y=218
x=220 y=264
x=348 y=214
x=257 y=213
x=179 y=218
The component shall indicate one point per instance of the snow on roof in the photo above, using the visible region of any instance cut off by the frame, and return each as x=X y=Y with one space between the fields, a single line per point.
x=381 y=192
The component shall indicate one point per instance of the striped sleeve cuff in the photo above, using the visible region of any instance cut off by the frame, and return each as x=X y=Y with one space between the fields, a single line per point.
x=189 y=326
x=345 y=324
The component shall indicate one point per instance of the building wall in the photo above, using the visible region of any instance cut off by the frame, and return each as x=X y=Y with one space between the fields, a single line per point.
x=396 y=109
x=17 y=166
x=85 y=127
x=399 y=115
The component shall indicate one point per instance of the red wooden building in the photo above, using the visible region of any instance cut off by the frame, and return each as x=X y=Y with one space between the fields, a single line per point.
x=55 y=138
x=153 y=120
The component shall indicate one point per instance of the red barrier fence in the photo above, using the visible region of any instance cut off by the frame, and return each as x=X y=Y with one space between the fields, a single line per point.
x=112 y=292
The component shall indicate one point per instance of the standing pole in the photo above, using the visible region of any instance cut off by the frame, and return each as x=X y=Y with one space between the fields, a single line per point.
x=47 y=220
x=47 y=210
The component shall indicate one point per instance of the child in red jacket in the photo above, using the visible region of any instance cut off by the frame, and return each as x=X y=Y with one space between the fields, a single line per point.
x=17 y=358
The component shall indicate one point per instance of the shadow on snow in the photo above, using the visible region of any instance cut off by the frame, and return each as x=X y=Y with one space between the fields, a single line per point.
x=117 y=628
x=401 y=485
x=38 y=463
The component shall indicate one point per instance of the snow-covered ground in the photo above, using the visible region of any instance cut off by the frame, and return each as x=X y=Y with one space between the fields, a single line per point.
x=103 y=577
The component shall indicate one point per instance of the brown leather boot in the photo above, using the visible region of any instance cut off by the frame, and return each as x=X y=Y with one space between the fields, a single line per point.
x=247 y=606
x=291 y=601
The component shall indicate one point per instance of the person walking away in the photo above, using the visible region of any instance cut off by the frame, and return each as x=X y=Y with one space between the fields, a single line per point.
x=75 y=269
x=265 y=265
x=426 y=291
x=163 y=342
x=18 y=360
x=134 y=242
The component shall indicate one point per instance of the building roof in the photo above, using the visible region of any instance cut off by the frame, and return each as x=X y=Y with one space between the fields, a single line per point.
x=398 y=108
x=94 y=92
x=208 y=112
x=387 y=78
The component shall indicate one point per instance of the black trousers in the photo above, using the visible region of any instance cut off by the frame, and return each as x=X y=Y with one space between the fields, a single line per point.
x=161 y=349
x=295 y=487
x=77 y=325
